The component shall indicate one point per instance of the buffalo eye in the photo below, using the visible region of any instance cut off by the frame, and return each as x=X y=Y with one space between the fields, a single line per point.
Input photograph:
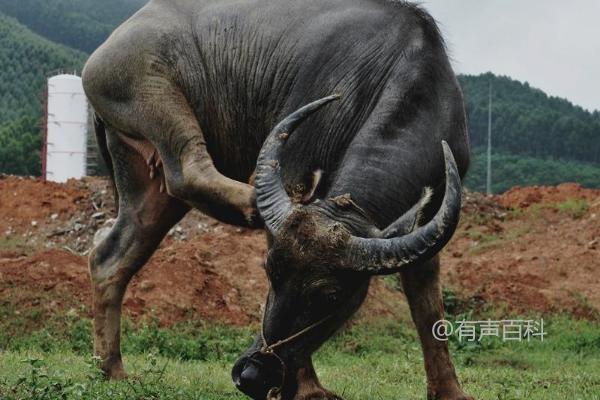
x=329 y=295
x=324 y=297
x=322 y=291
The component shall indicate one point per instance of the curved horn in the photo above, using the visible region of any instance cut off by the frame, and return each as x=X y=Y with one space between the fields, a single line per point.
x=272 y=200
x=387 y=256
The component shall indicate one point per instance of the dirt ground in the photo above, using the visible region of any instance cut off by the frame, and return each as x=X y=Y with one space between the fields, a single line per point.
x=532 y=249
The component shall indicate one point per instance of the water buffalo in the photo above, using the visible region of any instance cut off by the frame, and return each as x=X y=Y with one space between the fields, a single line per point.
x=188 y=96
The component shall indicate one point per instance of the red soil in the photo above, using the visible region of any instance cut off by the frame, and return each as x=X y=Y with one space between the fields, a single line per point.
x=504 y=252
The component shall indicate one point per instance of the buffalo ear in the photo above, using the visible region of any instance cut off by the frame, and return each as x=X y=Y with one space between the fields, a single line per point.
x=412 y=219
x=314 y=184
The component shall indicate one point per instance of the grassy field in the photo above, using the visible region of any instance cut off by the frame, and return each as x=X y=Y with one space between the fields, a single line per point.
x=380 y=361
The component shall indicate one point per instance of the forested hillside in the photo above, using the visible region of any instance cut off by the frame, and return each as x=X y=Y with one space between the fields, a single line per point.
x=80 y=24
x=20 y=146
x=25 y=59
x=526 y=121
x=537 y=139
x=510 y=170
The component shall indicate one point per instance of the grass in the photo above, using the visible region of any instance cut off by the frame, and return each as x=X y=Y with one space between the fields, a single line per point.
x=574 y=208
x=484 y=241
x=381 y=361
x=14 y=243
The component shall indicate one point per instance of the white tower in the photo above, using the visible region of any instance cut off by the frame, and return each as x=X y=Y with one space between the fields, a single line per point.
x=66 y=129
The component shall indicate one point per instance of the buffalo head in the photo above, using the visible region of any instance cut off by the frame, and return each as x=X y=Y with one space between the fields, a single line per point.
x=319 y=265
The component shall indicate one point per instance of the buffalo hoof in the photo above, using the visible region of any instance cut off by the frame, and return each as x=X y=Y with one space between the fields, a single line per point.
x=455 y=394
x=115 y=373
x=318 y=395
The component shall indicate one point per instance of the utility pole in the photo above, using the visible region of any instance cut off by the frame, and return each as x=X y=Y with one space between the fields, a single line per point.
x=489 y=144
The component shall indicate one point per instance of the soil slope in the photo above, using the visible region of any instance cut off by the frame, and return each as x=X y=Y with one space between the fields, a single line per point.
x=531 y=249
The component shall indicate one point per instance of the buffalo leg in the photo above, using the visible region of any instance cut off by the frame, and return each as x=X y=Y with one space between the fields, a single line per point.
x=169 y=123
x=145 y=216
x=422 y=288
x=309 y=386
x=192 y=177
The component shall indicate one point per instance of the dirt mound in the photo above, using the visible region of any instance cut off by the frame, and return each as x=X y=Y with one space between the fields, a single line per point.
x=541 y=259
x=50 y=280
x=23 y=200
x=35 y=214
x=203 y=269
x=216 y=277
x=523 y=197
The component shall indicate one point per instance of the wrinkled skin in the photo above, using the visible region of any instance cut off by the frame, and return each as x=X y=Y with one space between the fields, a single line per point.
x=186 y=92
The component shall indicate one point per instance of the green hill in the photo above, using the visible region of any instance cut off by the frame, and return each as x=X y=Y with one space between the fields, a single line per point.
x=510 y=170
x=529 y=122
x=537 y=139
x=80 y=24
x=37 y=37
x=20 y=146
x=25 y=59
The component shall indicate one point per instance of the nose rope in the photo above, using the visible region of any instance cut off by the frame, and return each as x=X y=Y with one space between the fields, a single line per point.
x=275 y=392
x=269 y=348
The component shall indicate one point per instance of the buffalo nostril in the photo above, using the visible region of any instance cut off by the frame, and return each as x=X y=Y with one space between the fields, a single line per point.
x=249 y=374
x=236 y=372
x=251 y=382
x=257 y=374
x=237 y=381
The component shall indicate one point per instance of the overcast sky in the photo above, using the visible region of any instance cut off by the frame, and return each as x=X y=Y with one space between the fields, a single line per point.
x=552 y=44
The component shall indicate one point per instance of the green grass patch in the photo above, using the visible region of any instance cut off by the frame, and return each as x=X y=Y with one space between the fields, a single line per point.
x=574 y=208
x=517 y=232
x=484 y=241
x=15 y=244
x=379 y=361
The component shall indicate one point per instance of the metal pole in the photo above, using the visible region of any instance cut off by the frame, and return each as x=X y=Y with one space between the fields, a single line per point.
x=489 y=144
